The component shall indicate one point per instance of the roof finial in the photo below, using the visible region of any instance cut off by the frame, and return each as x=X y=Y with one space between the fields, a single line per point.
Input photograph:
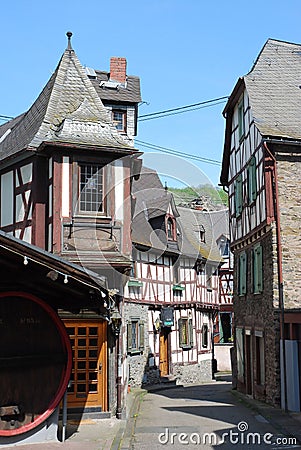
x=69 y=34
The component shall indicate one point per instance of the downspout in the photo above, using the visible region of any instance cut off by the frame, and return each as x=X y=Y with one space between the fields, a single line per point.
x=119 y=377
x=280 y=272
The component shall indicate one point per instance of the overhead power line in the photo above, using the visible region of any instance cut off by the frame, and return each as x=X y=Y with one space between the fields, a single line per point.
x=177 y=153
x=167 y=112
x=182 y=109
x=5 y=117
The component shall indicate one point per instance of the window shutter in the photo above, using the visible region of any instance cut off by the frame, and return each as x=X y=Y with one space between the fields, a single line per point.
x=190 y=331
x=239 y=352
x=238 y=195
x=252 y=268
x=242 y=273
x=252 y=184
x=141 y=336
x=258 y=278
x=129 y=337
x=181 y=331
x=205 y=335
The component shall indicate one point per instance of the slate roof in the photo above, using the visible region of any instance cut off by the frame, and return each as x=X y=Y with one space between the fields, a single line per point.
x=125 y=94
x=273 y=86
x=215 y=223
x=153 y=200
x=68 y=110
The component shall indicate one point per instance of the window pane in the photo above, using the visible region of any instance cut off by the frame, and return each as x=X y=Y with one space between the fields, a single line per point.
x=91 y=188
x=92 y=331
x=184 y=333
x=71 y=331
x=81 y=388
x=119 y=120
x=134 y=335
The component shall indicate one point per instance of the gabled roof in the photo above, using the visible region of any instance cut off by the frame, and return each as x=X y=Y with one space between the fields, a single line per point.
x=190 y=223
x=273 y=87
x=152 y=200
x=68 y=110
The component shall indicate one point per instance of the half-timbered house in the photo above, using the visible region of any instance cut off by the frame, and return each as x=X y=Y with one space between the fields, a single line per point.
x=172 y=296
x=261 y=170
x=223 y=325
x=65 y=174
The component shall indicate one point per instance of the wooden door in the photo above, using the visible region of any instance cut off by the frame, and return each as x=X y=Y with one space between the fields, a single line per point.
x=248 y=368
x=89 y=371
x=164 y=353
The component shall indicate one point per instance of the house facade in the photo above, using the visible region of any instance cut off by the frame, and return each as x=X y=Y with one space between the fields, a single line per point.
x=261 y=163
x=65 y=168
x=172 y=296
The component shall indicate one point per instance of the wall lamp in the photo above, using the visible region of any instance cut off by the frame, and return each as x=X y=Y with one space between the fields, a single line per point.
x=116 y=322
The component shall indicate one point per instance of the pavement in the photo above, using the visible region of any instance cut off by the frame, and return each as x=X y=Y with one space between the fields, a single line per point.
x=114 y=434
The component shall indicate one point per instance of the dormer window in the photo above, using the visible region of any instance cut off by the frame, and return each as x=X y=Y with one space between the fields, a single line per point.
x=202 y=234
x=171 y=229
x=224 y=247
x=119 y=119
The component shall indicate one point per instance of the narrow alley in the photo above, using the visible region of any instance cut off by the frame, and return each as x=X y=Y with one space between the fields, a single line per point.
x=204 y=416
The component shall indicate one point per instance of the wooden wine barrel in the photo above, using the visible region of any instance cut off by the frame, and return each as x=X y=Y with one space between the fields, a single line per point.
x=35 y=362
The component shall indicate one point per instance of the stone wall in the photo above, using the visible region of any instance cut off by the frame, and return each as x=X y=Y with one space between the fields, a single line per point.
x=290 y=219
x=193 y=373
x=138 y=363
x=257 y=312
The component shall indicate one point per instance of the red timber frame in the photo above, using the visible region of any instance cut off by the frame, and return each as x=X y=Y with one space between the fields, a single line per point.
x=21 y=188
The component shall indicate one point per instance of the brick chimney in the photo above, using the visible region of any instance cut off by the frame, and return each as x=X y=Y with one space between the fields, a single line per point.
x=118 y=69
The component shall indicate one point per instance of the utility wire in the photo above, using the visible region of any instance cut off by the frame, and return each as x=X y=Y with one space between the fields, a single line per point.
x=177 y=153
x=168 y=112
x=182 y=109
x=5 y=117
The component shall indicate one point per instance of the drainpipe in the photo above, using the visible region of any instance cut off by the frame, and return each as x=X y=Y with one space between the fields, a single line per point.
x=116 y=323
x=119 y=377
x=213 y=363
x=280 y=273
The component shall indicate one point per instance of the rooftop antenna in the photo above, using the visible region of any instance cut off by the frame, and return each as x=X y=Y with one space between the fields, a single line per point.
x=69 y=34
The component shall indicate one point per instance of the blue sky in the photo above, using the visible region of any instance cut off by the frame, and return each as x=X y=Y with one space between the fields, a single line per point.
x=184 y=52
